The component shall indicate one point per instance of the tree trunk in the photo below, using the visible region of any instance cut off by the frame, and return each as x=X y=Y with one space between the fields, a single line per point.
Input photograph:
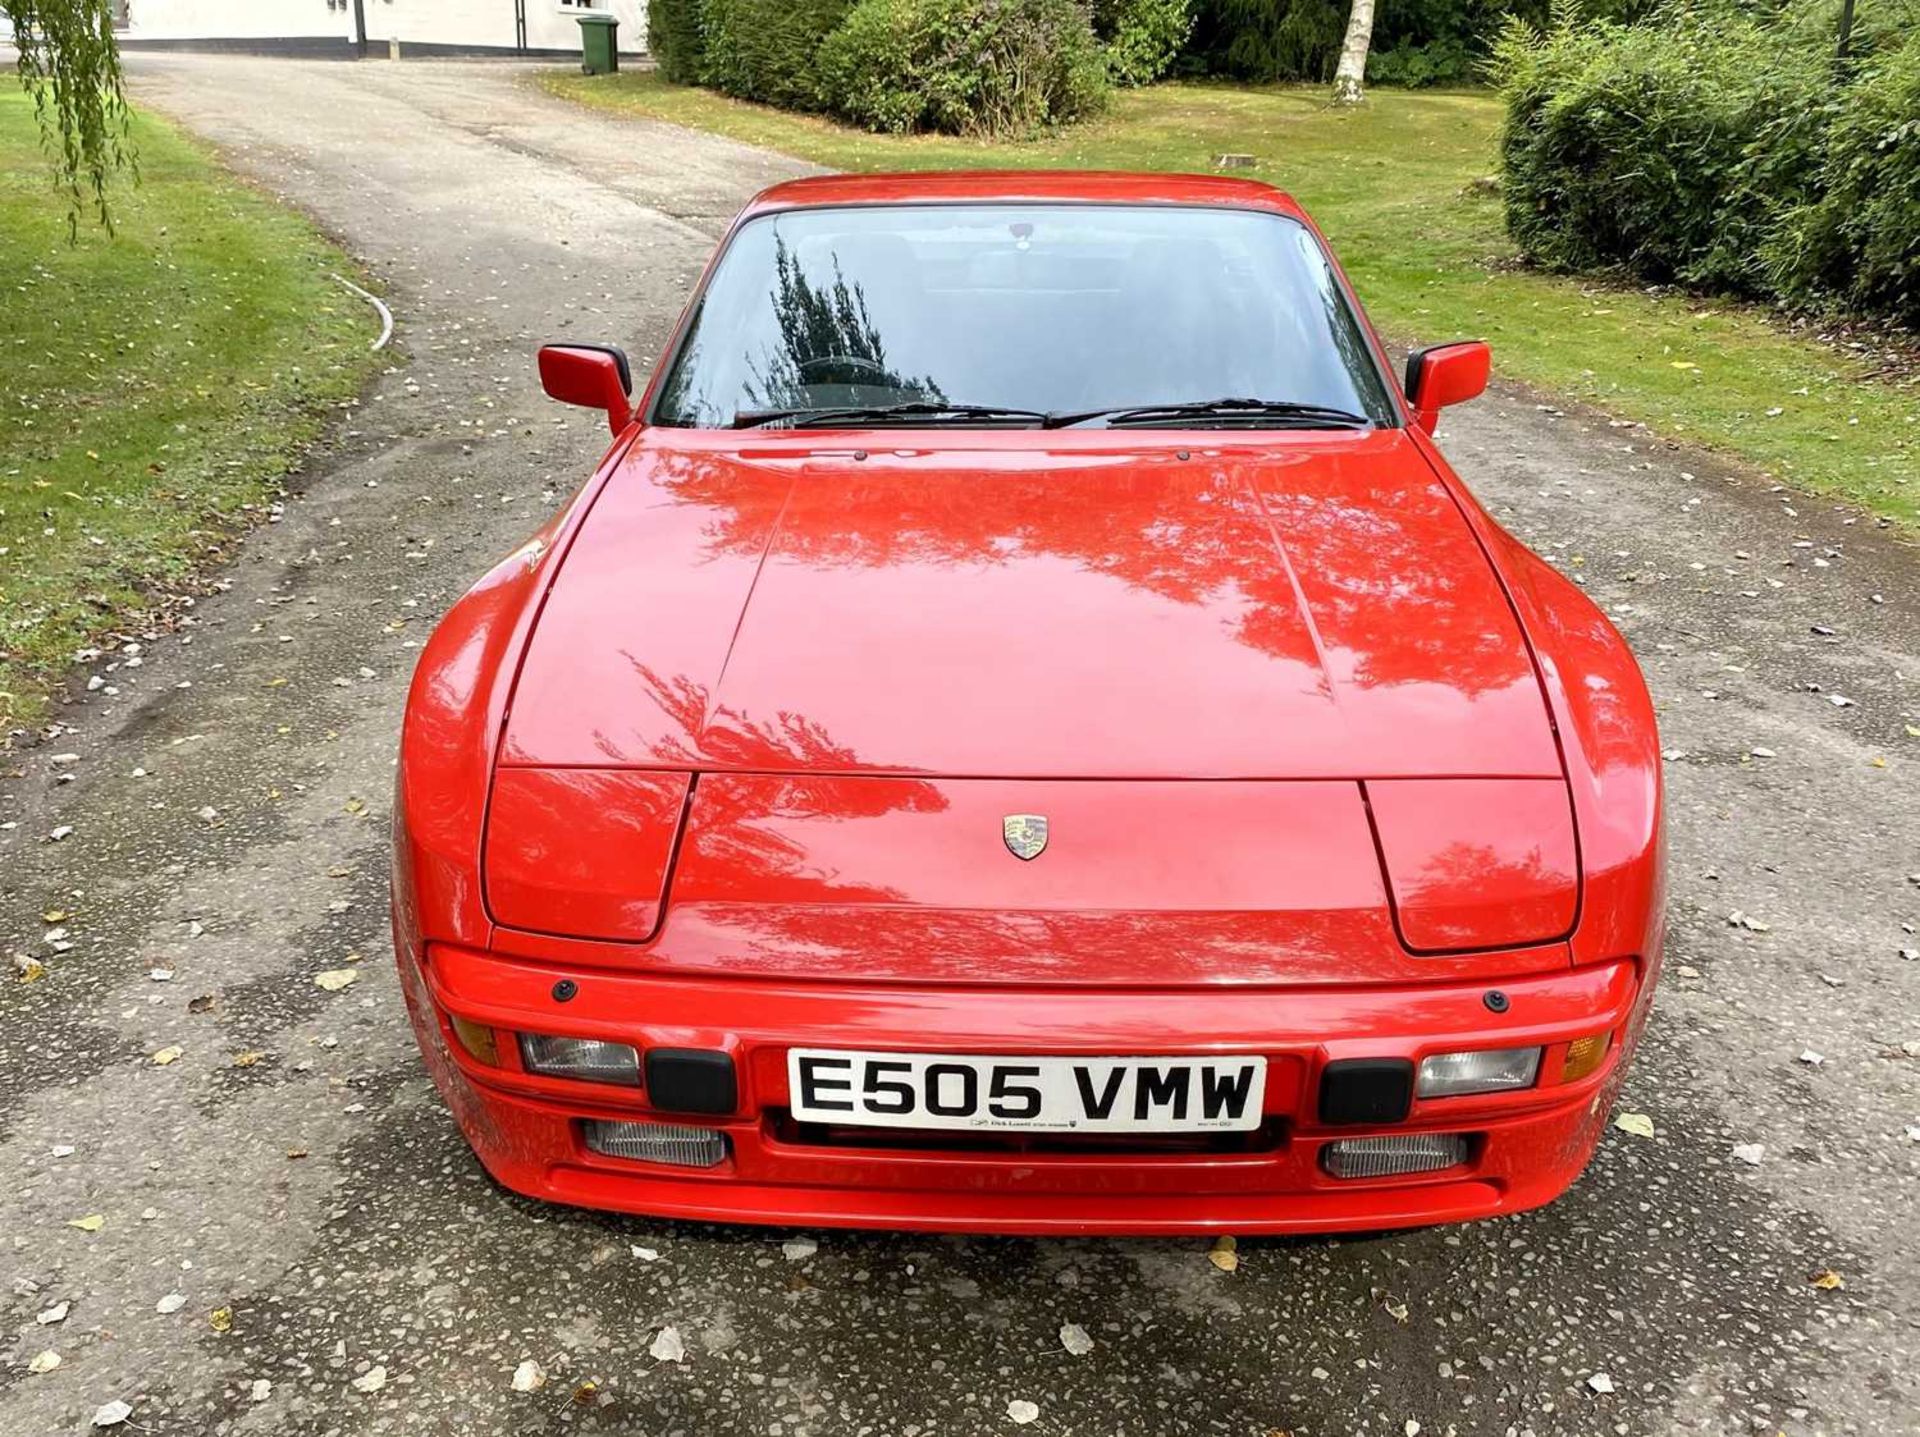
x=1352 y=72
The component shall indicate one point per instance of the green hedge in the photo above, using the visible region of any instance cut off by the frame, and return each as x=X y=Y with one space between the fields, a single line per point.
x=673 y=39
x=1858 y=241
x=1718 y=151
x=994 y=67
x=1142 y=37
x=765 y=49
x=989 y=67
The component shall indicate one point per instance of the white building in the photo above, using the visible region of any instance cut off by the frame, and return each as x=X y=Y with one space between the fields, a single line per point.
x=347 y=29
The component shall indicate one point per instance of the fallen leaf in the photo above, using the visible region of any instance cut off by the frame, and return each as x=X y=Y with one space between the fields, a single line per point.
x=1075 y=1339
x=646 y=1254
x=1827 y=1280
x=1395 y=1309
x=92 y=1222
x=221 y=1319
x=1020 y=1412
x=1224 y=1253
x=667 y=1346
x=334 y=979
x=1750 y=1153
x=46 y=1317
x=44 y=1362
x=167 y=1055
x=1600 y=1382
x=799 y=1249
x=260 y=1389
x=172 y=1302
x=372 y=1380
x=111 y=1414
x=1639 y=1124
x=583 y=1395
x=529 y=1376
x=248 y=1058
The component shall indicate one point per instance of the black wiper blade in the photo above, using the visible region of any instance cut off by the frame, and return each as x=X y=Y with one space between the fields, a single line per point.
x=1290 y=411
x=915 y=409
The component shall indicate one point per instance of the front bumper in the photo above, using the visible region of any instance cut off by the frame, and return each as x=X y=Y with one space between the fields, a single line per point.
x=1526 y=1147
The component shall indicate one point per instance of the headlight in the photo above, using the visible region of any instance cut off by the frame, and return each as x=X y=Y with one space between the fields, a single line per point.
x=586 y=1058
x=1492 y=1070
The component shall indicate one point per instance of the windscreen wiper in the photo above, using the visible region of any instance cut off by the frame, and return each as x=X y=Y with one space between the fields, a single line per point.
x=914 y=409
x=1284 y=413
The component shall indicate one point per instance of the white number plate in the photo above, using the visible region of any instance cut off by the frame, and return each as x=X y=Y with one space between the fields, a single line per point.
x=1095 y=1095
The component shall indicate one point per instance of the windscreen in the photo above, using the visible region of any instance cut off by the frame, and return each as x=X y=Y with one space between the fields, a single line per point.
x=1048 y=308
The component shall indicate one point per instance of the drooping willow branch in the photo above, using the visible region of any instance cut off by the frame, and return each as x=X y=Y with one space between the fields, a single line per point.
x=70 y=64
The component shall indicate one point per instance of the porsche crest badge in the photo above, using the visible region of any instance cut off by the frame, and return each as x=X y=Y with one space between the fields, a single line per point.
x=1025 y=833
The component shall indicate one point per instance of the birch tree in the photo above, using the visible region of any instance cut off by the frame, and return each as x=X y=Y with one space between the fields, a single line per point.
x=1350 y=77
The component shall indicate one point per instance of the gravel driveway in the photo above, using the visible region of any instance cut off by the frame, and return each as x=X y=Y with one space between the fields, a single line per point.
x=297 y=1241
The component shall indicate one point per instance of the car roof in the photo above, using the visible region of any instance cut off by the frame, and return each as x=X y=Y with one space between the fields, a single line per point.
x=1099 y=186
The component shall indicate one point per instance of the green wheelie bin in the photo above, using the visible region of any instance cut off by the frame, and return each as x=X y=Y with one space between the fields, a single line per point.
x=599 y=44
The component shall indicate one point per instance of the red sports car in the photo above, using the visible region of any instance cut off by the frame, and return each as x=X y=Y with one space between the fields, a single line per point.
x=1023 y=732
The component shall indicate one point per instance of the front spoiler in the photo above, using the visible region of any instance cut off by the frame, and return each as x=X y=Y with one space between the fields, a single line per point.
x=1528 y=1147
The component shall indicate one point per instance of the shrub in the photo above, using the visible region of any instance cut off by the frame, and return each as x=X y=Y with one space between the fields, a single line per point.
x=1267 y=40
x=968 y=67
x=1859 y=241
x=673 y=39
x=1670 y=151
x=1415 y=42
x=1142 y=37
x=1721 y=148
x=1437 y=62
x=766 y=49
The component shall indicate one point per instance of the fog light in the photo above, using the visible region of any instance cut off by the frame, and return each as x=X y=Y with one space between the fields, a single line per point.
x=657 y=1143
x=1494 y=1070
x=586 y=1058
x=476 y=1038
x=1584 y=1055
x=1388 y=1157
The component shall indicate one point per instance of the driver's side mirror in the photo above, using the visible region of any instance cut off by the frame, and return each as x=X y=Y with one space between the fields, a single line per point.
x=592 y=375
x=1443 y=374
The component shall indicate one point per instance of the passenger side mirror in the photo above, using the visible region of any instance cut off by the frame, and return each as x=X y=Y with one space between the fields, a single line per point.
x=593 y=375
x=1443 y=374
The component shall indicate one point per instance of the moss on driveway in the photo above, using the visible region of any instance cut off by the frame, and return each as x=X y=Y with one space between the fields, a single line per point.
x=1394 y=185
x=155 y=386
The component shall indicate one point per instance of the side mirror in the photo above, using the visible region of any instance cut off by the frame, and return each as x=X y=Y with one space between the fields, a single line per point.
x=1443 y=374
x=593 y=375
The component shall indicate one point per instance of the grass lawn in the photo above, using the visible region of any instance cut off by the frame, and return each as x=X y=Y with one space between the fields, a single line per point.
x=1431 y=261
x=153 y=385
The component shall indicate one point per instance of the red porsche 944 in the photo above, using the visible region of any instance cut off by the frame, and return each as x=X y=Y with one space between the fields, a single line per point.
x=1024 y=732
